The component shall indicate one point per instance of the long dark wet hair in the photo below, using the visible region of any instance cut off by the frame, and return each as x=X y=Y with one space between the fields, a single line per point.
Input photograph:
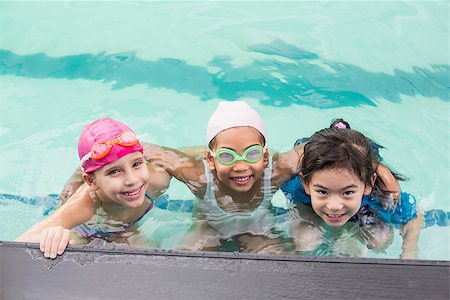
x=336 y=148
x=374 y=147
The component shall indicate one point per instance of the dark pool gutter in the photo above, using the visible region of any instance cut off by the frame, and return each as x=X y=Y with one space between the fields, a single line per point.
x=116 y=273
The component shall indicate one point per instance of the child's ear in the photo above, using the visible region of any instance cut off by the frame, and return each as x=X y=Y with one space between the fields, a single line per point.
x=210 y=160
x=89 y=179
x=305 y=185
x=368 y=189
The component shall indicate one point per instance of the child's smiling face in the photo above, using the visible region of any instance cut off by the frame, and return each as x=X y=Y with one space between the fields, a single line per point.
x=336 y=195
x=124 y=181
x=240 y=176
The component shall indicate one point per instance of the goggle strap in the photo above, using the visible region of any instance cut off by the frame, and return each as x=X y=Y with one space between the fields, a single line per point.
x=86 y=157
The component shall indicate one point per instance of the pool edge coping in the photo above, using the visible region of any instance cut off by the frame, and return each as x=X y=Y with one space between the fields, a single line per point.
x=236 y=255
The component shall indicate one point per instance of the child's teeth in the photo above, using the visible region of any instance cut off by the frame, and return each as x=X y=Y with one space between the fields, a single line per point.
x=242 y=179
x=132 y=193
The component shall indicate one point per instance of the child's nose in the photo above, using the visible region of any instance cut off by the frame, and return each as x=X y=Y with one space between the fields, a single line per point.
x=335 y=203
x=240 y=165
x=130 y=178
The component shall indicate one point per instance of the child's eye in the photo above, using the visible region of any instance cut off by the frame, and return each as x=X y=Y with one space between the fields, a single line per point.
x=348 y=193
x=321 y=192
x=113 y=172
x=137 y=163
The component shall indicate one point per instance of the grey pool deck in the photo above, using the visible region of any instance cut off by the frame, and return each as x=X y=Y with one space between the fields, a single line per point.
x=89 y=273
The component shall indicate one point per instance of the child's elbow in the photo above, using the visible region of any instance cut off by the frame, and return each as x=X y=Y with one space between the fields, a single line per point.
x=160 y=182
x=381 y=240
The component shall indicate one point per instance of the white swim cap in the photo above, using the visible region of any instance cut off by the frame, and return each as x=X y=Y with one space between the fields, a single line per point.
x=230 y=114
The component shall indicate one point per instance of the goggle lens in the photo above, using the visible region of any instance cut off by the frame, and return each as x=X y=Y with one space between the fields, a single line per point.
x=101 y=148
x=254 y=155
x=228 y=157
x=127 y=138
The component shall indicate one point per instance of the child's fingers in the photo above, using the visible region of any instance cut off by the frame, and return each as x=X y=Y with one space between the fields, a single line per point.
x=48 y=243
x=63 y=242
x=43 y=240
x=55 y=243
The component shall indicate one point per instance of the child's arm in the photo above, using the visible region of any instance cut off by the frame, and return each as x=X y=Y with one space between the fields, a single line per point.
x=72 y=185
x=286 y=165
x=159 y=180
x=179 y=165
x=53 y=233
x=198 y=153
x=200 y=237
x=410 y=233
x=387 y=187
x=306 y=234
x=388 y=181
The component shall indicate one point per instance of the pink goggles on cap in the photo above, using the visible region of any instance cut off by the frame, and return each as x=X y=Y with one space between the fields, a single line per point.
x=101 y=148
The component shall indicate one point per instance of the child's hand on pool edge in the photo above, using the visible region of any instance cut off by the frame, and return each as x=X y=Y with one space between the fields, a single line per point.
x=54 y=241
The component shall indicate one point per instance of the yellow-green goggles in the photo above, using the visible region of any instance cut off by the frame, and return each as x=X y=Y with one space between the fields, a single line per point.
x=228 y=157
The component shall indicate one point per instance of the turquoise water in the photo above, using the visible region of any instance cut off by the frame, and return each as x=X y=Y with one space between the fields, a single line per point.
x=162 y=67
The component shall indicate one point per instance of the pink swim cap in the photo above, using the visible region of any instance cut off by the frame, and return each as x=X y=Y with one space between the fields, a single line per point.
x=233 y=114
x=103 y=129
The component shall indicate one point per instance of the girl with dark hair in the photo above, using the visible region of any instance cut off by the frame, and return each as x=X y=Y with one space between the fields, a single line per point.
x=338 y=182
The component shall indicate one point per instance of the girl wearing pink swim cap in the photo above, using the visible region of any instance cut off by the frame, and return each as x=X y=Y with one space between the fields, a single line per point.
x=117 y=192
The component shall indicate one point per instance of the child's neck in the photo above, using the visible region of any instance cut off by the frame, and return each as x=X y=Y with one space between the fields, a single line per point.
x=118 y=211
x=229 y=199
x=337 y=230
x=109 y=206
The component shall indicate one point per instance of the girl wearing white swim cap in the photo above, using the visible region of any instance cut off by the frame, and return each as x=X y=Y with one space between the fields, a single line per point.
x=234 y=183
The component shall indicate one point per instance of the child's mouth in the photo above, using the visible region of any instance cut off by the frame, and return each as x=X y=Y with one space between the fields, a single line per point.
x=335 y=217
x=132 y=194
x=241 y=180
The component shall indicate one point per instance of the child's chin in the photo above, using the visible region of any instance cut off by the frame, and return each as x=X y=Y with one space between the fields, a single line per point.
x=135 y=203
x=242 y=188
x=336 y=223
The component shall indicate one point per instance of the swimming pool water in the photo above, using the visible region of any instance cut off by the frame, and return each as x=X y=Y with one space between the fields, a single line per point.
x=162 y=67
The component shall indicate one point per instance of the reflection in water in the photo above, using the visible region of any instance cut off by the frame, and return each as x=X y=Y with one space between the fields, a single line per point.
x=301 y=78
x=312 y=236
x=351 y=241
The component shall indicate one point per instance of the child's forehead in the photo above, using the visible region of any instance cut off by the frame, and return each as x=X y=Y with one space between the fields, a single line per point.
x=124 y=160
x=335 y=174
x=239 y=135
